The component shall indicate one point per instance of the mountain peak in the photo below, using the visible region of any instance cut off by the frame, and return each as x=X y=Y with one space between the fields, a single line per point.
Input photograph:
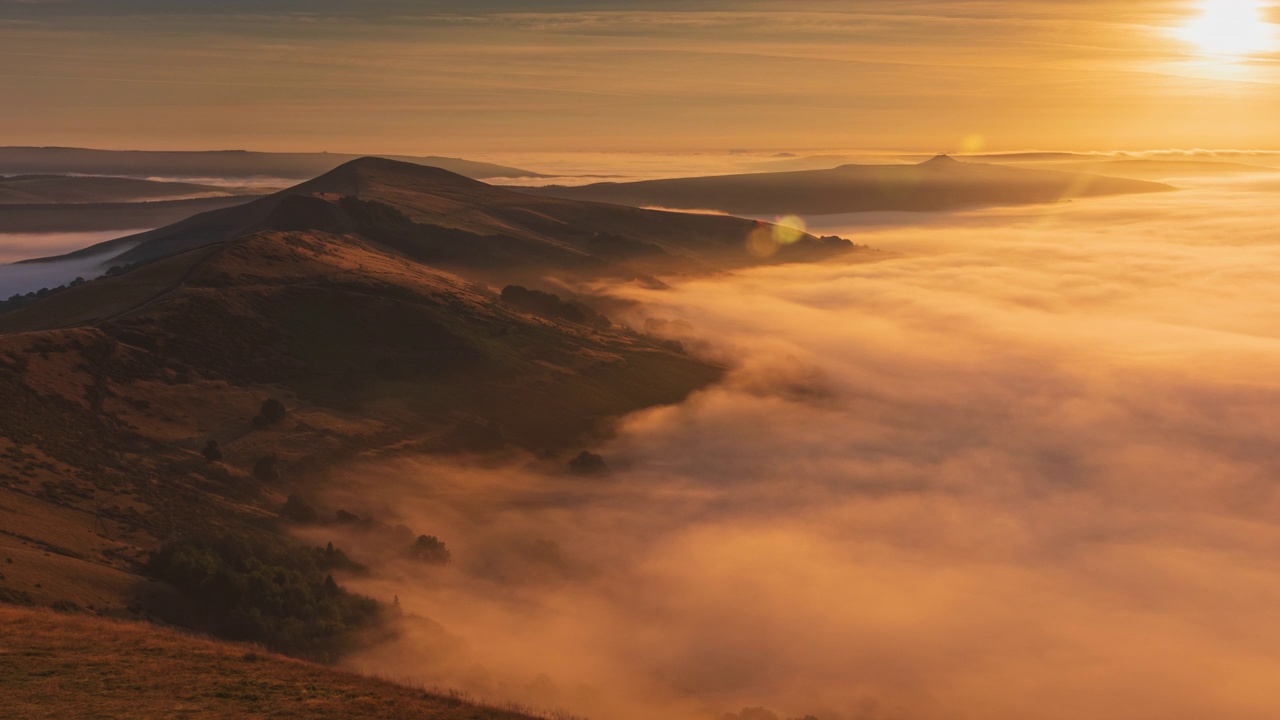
x=355 y=176
x=942 y=160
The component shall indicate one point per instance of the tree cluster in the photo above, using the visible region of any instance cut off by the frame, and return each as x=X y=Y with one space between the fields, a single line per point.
x=550 y=306
x=265 y=590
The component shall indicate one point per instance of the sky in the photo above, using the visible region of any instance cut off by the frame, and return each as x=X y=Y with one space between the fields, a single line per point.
x=488 y=76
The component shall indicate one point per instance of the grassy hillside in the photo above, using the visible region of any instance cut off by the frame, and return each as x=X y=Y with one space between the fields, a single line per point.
x=449 y=221
x=114 y=388
x=202 y=395
x=73 y=666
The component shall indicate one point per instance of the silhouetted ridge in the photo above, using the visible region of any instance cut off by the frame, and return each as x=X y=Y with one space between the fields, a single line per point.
x=941 y=161
x=357 y=178
x=938 y=184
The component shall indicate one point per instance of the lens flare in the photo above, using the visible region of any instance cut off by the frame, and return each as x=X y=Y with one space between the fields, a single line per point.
x=761 y=242
x=789 y=229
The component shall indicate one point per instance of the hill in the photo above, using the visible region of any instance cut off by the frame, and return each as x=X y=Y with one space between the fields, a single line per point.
x=438 y=217
x=52 y=189
x=209 y=386
x=935 y=185
x=227 y=164
x=76 y=666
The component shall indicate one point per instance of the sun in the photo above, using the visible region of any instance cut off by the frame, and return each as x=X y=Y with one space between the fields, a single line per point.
x=1230 y=28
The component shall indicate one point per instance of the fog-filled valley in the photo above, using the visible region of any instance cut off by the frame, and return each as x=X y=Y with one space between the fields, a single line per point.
x=1021 y=465
x=600 y=360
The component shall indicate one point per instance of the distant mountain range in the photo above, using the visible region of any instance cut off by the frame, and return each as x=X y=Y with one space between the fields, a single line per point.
x=225 y=164
x=75 y=189
x=939 y=184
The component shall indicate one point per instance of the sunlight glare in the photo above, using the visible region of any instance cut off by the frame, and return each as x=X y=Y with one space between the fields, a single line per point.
x=1229 y=28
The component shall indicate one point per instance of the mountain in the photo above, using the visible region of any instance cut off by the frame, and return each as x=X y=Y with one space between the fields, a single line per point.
x=76 y=666
x=213 y=164
x=102 y=217
x=449 y=221
x=234 y=359
x=52 y=189
x=941 y=183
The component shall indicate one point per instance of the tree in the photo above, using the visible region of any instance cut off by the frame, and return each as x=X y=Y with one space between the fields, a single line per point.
x=212 y=452
x=431 y=550
x=298 y=510
x=588 y=463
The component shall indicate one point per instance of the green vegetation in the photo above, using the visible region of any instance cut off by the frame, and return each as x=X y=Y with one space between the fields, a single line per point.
x=265 y=590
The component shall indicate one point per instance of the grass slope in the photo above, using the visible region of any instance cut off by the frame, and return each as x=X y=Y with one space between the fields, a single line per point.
x=438 y=217
x=114 y=387
x=68 y=667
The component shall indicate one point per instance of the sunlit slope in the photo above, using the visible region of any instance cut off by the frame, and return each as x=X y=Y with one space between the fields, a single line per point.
x=79 y=666
x=938 y=184
x=438 y=217
x=339 y=321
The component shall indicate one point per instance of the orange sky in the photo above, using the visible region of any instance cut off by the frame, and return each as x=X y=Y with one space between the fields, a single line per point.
x=445 y=76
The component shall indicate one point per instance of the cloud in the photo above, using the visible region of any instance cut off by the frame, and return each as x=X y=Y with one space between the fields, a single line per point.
x=1022 y=468
x=503 y=76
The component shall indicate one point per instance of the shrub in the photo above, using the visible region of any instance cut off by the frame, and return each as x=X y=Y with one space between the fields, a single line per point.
x=550 y=306
x=299 y=511
x=66 y=606
x=267 y=469
x=16 y=597
x=272 y=412
x=212 y=452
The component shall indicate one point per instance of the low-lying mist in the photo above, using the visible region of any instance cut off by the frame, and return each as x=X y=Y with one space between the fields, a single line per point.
x=26 y=278
x=1023 y=467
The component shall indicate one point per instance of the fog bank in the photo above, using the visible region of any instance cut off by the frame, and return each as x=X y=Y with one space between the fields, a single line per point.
x=29 y=277
x=1025 y=467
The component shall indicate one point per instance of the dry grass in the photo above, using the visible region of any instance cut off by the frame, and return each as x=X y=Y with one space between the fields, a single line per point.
x=80 y=666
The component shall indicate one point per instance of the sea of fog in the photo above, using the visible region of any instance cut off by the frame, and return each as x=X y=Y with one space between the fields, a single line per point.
x=21 y=279
x=1026 y=465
